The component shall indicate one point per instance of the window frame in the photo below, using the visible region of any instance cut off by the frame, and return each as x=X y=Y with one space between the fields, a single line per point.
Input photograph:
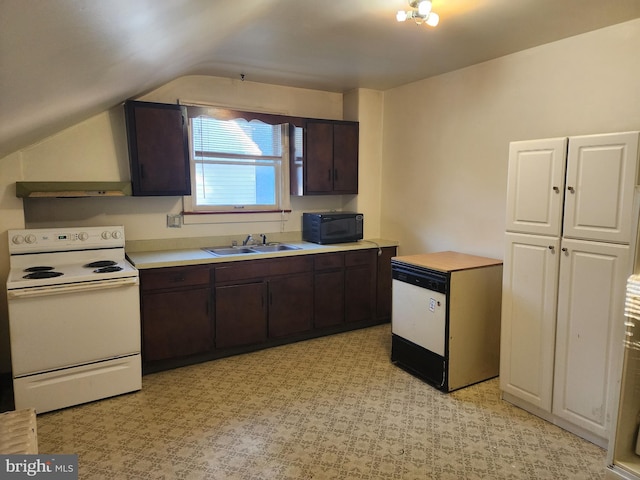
x=189 y=204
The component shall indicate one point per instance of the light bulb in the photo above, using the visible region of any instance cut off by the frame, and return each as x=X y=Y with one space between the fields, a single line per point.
x=401 y=16
x=424 y=7
x=433 y=19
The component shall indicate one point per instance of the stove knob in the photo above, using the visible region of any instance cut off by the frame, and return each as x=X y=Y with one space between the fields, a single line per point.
x=106 y=235
x=82 y=236
x=31 y=238
x=116 y=234
x=17 y=239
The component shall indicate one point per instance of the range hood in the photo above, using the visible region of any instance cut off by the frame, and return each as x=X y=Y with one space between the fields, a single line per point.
x=72 y=189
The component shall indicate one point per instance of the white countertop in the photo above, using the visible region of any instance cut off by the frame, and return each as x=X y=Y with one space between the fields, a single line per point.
x=197 y=256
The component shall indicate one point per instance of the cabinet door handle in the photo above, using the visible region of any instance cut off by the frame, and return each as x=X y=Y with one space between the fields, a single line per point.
x=571 y=189
x=329 y=174
x=552 y=248
x=565 y=250
x=335 y=174
x=556 y=189
x=178 y=278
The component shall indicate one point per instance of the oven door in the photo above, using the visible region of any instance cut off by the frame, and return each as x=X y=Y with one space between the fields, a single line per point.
x=68 y=325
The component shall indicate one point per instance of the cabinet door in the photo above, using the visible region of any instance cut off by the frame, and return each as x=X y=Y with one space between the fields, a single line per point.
x=601 y=177
x=383 y=293
x=328 y=298
x=158 y=149
x=527 y=341
x=535 y=186
x=331 y=157
x=345 y=158
x=590 y=332
x=290 y=304
x=176 y=324
x=318 y=151
x=359 y=286
x=241 y=315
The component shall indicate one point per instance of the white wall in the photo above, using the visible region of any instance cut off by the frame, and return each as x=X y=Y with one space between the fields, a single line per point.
x=446 y=138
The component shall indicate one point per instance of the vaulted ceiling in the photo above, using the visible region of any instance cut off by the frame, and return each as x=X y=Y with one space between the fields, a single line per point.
x=62 y=61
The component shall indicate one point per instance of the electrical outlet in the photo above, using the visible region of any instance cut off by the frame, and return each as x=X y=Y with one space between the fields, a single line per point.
x=174 y=221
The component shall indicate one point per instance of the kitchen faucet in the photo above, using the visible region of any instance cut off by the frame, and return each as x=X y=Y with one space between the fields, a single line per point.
x=247 y=240
x=264 y=238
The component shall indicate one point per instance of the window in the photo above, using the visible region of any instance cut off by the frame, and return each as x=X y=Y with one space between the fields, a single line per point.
x=238 y=165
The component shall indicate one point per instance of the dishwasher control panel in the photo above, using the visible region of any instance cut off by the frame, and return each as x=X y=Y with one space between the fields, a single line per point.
x=420 y=277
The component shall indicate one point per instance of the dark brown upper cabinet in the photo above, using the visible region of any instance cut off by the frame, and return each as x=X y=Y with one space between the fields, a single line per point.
x=330 y=157
x=158 y=140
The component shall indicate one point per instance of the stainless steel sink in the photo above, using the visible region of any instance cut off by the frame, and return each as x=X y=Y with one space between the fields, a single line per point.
x=223 y=251
x=229 y=250
x=280 y=247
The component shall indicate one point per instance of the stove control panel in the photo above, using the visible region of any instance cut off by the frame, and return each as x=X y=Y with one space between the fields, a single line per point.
x=107 y=235
x=64 y=239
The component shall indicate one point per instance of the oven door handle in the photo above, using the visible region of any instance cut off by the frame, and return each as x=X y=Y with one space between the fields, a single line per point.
x=72 y=288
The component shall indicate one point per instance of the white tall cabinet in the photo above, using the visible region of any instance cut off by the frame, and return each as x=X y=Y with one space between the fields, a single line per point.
x=570 y=223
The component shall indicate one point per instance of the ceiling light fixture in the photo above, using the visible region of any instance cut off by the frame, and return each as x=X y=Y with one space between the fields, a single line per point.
x=421 y=13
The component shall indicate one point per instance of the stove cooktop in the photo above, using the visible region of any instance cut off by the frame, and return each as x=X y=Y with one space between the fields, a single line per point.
x=58 y=256
x=55 y=273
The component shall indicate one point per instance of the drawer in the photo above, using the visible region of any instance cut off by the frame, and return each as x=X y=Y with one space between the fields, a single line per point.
x=173 y=277
x=257 y=269
x=362 y=257
x=298 y=264
x=327 y=261
x=244 y=270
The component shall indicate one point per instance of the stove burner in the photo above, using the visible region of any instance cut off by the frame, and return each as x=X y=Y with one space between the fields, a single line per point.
x=100 y=263
x=110 y=268
x=42 y=274
x=37 y=269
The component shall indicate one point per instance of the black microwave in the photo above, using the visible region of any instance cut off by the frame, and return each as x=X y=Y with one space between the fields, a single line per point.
x=332 y=227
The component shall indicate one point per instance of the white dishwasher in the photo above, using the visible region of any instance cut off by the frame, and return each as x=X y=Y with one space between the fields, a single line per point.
x=446 y=317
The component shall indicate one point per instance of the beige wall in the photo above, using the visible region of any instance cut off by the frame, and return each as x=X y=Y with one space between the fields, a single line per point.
x=446 y=138
x=433 y=154
x=96 y=149
x=365 y=106
x=11 y=216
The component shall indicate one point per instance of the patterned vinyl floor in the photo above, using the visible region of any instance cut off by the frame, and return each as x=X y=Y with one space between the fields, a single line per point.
x=329 y=408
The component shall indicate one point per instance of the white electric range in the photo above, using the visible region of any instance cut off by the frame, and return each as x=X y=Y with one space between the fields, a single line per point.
x=74 y=316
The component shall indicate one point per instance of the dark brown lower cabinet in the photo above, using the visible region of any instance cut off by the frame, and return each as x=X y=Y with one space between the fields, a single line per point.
x=328 y=290
x=201 y=312
x=261 y=300
x=345 y=287
x=290 y=301
x=176 y=306
x=241 y=315
x=176 y=324
x=360 y=285
x=384 y=281
x=328 y=298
